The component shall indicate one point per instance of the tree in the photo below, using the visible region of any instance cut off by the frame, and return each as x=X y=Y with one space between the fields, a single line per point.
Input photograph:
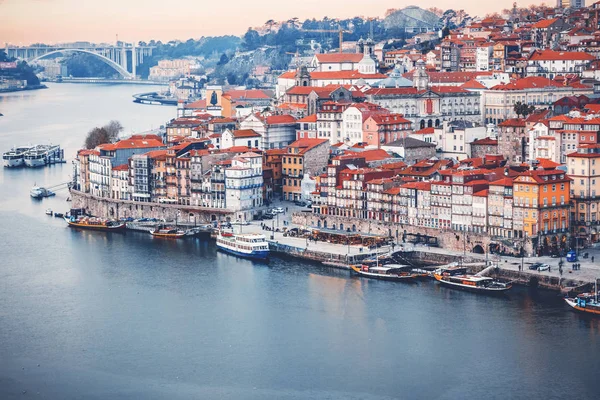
x=113 y=128
x=96 y=137
x=223 y=60
x=523 y=109
x=108 y=133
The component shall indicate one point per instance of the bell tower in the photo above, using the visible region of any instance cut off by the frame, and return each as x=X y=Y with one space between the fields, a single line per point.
x=303 y=76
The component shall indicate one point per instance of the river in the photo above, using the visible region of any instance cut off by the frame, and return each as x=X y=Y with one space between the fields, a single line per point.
x=119 y=316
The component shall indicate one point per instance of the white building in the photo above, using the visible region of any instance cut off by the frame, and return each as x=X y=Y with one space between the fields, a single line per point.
x=540 y=129
x=550 y=63
x=454 y=138
x=483 y=56
x=277 y=131
x=241 y=137
x=244 y=185
x=100 y=175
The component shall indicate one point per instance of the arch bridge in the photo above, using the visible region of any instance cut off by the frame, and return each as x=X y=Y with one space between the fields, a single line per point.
x=123 y=58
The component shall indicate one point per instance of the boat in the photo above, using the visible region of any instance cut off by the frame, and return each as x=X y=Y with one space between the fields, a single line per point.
x=168 y=233
x=248 y=245
x=59 y=215
x=471 y=283
x=586 y=302
x=48 y=212
x=14 y=157
x=41 y=155
x=389 y=272
x=39 y=192
x=94 y=223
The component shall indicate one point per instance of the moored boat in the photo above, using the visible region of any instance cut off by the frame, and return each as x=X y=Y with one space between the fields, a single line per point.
x=96 y=224
x=168 y=233
x=14 y=157
x=48 y=212
x=472 y=283
x=248 y=245
x=41 y=155
x=586 y=302
x=39 y=192
x=390 y=272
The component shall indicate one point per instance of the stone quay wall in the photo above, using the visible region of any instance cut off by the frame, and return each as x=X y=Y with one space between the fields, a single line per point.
x=111 y=208
x=448 y=239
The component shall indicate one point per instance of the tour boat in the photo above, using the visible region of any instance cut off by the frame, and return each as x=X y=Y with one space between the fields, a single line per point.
x=40 y=155
x=249 y=245
x=586 y=302
x=96 y=224
x=472 y=283
x=14 y=157
x=390 y=272
x=168 y=233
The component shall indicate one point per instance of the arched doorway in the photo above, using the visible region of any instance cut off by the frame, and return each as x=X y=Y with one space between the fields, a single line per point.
x=422 y=124
x=430 y=123
x=341 y=227
x=478 y=249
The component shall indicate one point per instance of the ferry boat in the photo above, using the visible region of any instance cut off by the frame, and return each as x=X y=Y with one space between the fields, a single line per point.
x=472 y=283
x=41 y=155
x=389 y=272
x=586 y=302
x=249 y=245
x=94 y=223
x=168 y=233
x=14 y=157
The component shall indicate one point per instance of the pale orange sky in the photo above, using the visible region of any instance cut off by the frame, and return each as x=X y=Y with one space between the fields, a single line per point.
x=53 y=21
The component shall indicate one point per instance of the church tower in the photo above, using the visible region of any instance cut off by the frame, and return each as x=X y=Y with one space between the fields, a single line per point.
x=302 y=76
x=420 y=76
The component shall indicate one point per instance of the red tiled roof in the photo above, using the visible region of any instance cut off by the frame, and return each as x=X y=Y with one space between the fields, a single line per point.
x=309 y=118
x=132 y=144
x=326 y=75
x=519 y=122
x=198 y=104
x=545 y=23
x=551 y=55
x=425 y=131
x=529 y=82
x=245 y=133
x=506 y=182
x=280 y=119
x=472 y=84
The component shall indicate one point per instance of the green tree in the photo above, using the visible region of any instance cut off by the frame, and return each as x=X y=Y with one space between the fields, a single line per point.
x=522 y=109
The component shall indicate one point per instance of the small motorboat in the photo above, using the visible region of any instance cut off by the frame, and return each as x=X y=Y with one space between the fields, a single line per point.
x=48 y=212
x=59 y=215
x=586 y=302
x=389 y=272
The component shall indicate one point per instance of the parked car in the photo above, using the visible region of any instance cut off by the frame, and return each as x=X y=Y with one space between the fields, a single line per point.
x=277 y=210
x=300 y=203
x=268 y=215
x=543 y=267
x=238 y=222
x=535 y=266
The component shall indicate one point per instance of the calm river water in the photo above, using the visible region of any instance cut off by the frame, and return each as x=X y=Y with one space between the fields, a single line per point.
x=122 y=316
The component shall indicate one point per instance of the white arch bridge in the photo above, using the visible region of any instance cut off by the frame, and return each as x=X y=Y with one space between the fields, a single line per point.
x=123 y=58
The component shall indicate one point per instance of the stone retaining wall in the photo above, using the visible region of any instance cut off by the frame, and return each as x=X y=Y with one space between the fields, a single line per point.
x=110 y=208
x=448 y=239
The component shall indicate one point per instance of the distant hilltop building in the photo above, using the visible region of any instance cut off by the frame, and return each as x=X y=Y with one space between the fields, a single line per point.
x=167 y=70
x=412 y=19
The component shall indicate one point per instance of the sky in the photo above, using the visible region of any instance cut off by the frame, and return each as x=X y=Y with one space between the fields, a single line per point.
x=24 y=22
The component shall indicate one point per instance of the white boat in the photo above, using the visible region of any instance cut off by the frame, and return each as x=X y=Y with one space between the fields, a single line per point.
x=41 y=155
x=249 y=245
x=38 y=192
x=48 y=211
x=14 y=157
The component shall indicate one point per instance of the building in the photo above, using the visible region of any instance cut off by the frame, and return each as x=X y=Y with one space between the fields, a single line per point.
x=167 y=70
x=120 y=189
x=241 y=137
x=482 y=147
x=513 y=140
x=410 y=150
x=541 y=210
x=498 y=102
x=382 y=128
x=277 y=131
x=244 y=185
x=550 y=63
x=303 y=157
x=240 y=103
x=583 y=166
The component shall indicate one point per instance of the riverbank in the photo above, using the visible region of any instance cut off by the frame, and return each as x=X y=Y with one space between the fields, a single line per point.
x=26 y=88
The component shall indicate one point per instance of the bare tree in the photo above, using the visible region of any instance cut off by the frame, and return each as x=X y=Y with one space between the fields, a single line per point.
x=108 y=133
